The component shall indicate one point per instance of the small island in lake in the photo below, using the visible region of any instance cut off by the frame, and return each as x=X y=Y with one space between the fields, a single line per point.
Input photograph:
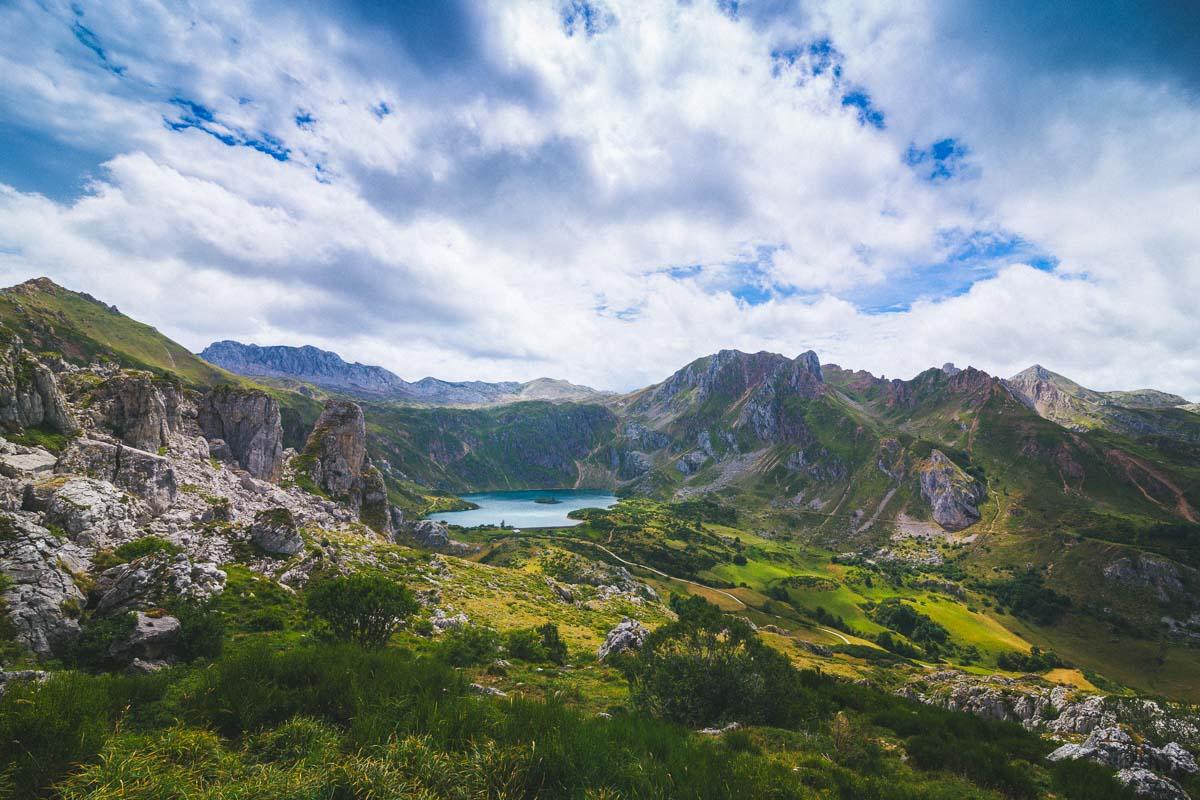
x=547 y=501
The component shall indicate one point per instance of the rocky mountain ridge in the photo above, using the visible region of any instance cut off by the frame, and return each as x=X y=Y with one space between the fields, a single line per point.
x=327 y=370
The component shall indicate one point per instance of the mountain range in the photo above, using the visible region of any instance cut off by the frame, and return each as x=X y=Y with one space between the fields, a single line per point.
x=1023 y=549
x=327 y=370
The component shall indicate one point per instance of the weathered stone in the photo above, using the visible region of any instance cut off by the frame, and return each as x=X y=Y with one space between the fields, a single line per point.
x=153 y=580
x=629 y=634
x=431 y=534
x=29 y=393
x=145 y=475
x=43 y=601
x=151 y=639
x=335 y=459
x=92 y=512
x=275 y=531
x=18 y=461
x=337 y=448
x=1146 y=784
x=953 y=495
x=248 y=422
x=139 y=409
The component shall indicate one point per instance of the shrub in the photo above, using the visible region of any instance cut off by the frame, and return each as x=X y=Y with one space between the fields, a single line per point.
x=362 y=608
x=131 y=551
x=201 y=631
x=469 y=645
x=1026 y=595
x=89 y=650
x=537 y=644
x=708 y=668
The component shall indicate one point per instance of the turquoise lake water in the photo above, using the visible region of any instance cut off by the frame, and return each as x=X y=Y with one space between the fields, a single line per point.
x=518 y=509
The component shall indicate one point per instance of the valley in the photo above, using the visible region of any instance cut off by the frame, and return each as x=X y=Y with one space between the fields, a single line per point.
x=1020 y=553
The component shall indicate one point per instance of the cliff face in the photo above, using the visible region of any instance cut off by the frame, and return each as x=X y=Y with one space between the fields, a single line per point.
x=29 y=393
x=246 y=424
x=335 y=460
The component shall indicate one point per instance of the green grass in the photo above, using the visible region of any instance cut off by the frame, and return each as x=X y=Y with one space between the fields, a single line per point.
x=335 y=721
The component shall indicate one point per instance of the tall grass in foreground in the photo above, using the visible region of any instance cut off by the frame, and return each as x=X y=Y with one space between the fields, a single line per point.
x=332 y=721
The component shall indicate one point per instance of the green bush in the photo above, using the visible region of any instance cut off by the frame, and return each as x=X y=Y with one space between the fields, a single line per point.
x=541 y=644
x=131 y=551
x=201 y=631
x=363 y=608
x=89 y=650
x=708 y=668
x=469 y=645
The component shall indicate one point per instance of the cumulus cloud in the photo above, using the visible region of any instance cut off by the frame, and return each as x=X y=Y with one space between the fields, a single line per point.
x=604 y=191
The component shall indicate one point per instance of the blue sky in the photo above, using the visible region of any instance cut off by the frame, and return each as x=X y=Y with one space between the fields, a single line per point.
x=603 y=190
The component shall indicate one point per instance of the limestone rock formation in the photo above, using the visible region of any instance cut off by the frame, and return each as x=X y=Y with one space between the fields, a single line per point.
x=139 y=409
x=42 y=601
x=154 y=580
x=145 y=475
x=29 y=393
x=629 y=634
x=952 y=494
x=337 y=448
x=335 y=460
x=92 y=512
x=275 y=531
x=152 y=639
x=248 y=423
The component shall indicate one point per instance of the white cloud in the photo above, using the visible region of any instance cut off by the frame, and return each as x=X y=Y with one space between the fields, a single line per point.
x=522 y=222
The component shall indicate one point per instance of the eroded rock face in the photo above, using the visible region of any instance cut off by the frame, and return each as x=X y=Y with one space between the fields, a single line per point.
x=153 y=580
x=952 y=494
x=275 y=531
x=92 y=512
x=248 y=423
x=145 y=475
x=629 y=634
x=338 y=448
x=335 y=459
x=139 y=409
x=1143 y=571
x=43 y=601
x=151 y=640
x=1146 y=784
x=432 y=534
x=29 y=393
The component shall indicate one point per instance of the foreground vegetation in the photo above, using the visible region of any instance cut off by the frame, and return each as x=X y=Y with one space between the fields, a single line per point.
x=330 y=719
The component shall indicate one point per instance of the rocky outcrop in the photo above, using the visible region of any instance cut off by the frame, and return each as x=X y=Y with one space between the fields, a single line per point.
x=1166 y=581
x=431 y=534
x=152 y=639
x=335 y=460
x=628 y=635
x=337 y=449
x=275 y=531
x=42 y=601
x=145 y=475
x=92 y=512
x=153 y=580
x=248 y=423
x=952 y=494
x=29 y=393
x=17 y=460
x=139 y=409
x=1145 y=784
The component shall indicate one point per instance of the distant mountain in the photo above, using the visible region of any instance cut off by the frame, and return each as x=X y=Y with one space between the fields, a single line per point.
x=1138 y=413
x=329 y=371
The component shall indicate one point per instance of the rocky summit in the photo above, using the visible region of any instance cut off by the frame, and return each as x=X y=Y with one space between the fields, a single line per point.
x=799 y=550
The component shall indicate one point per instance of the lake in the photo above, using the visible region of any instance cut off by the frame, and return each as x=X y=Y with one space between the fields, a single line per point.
x=520 y=509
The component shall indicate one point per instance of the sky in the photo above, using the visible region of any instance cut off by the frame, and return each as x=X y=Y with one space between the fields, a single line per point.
x=602 y=190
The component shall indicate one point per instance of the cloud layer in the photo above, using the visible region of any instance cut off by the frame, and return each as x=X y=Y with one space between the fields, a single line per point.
x=603 y=192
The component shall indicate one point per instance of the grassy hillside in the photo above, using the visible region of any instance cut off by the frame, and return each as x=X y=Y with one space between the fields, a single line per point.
x=51 y=318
